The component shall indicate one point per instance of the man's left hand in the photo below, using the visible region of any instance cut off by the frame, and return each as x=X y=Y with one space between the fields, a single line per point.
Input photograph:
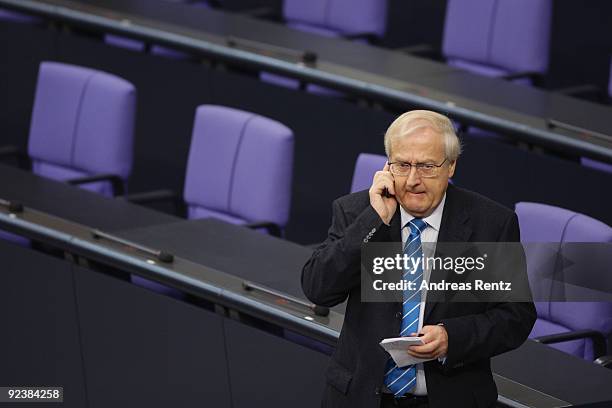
x=435 y=343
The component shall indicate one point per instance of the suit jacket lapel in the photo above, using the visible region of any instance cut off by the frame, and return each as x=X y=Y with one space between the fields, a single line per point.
x=395 y=226
x=453 y=228
x=395 y=235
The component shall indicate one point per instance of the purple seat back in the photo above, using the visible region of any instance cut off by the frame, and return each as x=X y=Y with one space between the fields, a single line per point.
x=341 y=16
x=365 y=167
x=82 y=124
x=496 y=37
x=549 y=224
x=239 y=168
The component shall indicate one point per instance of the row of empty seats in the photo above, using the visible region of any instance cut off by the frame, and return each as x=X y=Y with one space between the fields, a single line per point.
x=499 y=38
x=240 y=164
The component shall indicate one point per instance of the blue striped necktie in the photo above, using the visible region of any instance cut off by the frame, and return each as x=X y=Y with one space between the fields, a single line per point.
x=401 y=380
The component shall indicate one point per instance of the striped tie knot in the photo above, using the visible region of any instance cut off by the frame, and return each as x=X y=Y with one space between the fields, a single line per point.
x=417 y=226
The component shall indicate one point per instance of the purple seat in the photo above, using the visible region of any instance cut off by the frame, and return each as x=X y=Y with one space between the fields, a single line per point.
x=239 y=170
x=337 y=17
x=548 y=224
x=361 y=20
x=82 y=126
x=366 y=166
x=498 y=37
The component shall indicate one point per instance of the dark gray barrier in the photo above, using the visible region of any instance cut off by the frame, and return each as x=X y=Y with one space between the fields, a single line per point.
x=41 y=343
x=111 y=343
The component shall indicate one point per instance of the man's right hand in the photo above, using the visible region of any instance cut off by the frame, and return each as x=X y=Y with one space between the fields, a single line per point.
x=384 y=206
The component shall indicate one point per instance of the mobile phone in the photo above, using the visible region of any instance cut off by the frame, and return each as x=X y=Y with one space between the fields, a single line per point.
x=386 y=193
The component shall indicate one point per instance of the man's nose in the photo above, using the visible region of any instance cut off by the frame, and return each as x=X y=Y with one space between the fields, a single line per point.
x=413 y=178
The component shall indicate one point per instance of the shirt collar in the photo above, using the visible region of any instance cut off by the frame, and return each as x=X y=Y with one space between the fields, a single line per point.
x=433 y=220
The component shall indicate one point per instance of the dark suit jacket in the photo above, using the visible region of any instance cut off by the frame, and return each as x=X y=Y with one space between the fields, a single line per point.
x=476 y=331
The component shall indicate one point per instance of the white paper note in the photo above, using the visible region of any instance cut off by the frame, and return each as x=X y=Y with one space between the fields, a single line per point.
x=397 y=347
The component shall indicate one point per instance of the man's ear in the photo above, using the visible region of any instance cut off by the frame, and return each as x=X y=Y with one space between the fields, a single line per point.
x=451 y=168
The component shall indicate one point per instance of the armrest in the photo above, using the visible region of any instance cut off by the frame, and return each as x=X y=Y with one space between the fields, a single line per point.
x=152 y=196
x=604 y=361
x=14 y=152
x=534 y=76
x=369 y=37
x=424 y=50
x=156 y=196
x=116 y=181
x=598 y=339
x=272 y=228
x=267 y=13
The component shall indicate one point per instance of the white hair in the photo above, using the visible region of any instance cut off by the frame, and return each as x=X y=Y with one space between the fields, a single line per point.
x=408 y=122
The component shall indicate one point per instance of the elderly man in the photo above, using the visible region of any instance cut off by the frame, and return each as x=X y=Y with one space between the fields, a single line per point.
x=410 y=201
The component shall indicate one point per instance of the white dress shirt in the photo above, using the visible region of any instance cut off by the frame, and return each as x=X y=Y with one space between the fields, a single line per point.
x=429 y=234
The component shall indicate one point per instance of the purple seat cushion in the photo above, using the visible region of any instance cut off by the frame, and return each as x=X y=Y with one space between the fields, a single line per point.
x=508 y=35
x=124 y=42
x=476 y=68
x=279 y=80
x=240 y=164
x=313 y=29
x=195 y=212
x=62 y=173
x=485 y=70
x=166 y=52
x=341 y=16
x=82 y=122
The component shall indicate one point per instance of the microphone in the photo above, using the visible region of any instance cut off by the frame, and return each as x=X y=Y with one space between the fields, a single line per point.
x=316 y=309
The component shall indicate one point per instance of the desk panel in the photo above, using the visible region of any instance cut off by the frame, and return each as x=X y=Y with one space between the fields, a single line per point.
x=555 y=373
x=144 y=349
x=40 y=343
x=268 y=371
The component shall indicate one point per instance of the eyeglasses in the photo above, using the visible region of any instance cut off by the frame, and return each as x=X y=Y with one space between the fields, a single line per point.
x=427 y=170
